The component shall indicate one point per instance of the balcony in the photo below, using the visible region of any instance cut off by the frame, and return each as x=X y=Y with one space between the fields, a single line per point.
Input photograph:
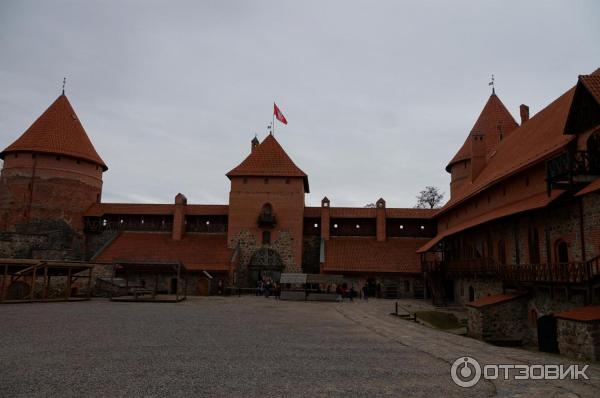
x=266 y=220
x=571 y=169
x=568 y=273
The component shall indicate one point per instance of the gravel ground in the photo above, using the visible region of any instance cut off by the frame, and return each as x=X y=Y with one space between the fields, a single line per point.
x=247 y=346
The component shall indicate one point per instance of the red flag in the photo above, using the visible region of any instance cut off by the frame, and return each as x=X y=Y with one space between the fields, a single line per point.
x=278 y=114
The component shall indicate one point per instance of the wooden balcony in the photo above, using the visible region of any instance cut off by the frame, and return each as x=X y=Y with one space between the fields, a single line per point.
x=266 y=220
x=567 y=273
x=571 y=169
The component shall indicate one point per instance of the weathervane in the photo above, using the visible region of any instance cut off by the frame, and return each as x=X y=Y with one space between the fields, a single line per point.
x=270 y=128
x=64 y=83
x=491 y=83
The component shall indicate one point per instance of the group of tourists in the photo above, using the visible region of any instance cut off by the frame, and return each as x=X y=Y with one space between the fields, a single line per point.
x=267 y=288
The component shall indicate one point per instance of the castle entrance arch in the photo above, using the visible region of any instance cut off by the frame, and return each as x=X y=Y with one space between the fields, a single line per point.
x=265 y=264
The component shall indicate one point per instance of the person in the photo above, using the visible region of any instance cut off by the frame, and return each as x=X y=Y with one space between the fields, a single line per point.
x=259 y=288
x=365 y=290
x=338 y=292
x=352 y=293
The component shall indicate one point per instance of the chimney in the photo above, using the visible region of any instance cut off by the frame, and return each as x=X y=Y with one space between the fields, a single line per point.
x=254 y=143
x=380 y=212
x=179 y=216
x=477 y=154
x=524 y=113
x=325 y=218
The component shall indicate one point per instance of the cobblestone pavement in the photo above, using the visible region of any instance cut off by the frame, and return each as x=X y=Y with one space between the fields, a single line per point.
x=245 y=346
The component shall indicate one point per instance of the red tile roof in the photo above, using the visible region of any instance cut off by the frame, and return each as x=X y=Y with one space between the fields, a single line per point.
x=531 y=203
x=592 y=83
x=582 y=314
x=269 y=159
x=366 y=254
x=493 y=114
x=99 y=209
x=495 y=299
x=591 y=187
x=538 y=139
x=312 y=212
x=195 y=251
x=57 y=131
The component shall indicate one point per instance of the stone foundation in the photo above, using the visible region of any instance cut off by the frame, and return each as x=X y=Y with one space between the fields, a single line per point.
x=580 y=340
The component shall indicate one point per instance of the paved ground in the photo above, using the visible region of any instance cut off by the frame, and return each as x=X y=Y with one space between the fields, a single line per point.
x=244 y=347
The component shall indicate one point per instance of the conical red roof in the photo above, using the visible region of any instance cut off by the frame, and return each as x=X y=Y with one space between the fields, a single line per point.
x=268 y=159
x=57 y=131
x=493 y=114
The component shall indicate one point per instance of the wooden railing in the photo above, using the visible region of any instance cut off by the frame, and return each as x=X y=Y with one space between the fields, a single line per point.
x=574 y=272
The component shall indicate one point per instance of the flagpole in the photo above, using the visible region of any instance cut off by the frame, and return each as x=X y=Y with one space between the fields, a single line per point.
x=273 y=122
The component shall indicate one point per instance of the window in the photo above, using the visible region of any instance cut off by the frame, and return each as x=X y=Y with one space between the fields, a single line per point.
x=267 y=209
x=471 y=293
x=501 y=252
x=534 y=246
x=562 y=251
x=266 y=237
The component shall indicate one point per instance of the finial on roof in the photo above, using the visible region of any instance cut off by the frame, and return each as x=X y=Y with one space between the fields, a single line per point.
x=64 y=83
x=270 y=128
x=491 y=83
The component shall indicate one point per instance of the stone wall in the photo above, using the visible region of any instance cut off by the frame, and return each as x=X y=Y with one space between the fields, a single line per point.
x=580 y=340
x=311 y=246
x=482 y=287
x=506 y=321
x=42 y=239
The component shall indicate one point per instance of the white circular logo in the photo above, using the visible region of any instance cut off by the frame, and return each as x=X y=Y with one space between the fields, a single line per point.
x=465 y=372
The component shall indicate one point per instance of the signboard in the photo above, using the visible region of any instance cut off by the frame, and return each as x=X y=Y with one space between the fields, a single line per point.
x=292 y=278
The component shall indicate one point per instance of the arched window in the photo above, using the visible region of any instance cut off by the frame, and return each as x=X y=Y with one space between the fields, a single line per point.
x=534 y=246
x=593 y=150
x=267 y=209
x=501 y=252
x=562 y=251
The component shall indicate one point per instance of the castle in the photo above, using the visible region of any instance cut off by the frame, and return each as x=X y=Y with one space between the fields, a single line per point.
x=518 y=242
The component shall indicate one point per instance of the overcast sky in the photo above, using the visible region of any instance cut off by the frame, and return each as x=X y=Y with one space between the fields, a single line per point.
x=379 y=95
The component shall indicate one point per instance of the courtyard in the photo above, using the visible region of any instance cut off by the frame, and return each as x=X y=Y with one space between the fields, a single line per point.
x=248 y=346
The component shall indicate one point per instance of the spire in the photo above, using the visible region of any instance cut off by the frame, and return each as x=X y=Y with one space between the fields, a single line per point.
x=64 y=84
x=57 y=131
x=493 y=121
x=491 y=83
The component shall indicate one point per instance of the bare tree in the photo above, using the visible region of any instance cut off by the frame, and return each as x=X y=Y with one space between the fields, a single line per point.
x=429 y=198
x=370 y=205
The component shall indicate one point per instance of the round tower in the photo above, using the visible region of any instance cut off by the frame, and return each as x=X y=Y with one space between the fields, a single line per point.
x=51 y=175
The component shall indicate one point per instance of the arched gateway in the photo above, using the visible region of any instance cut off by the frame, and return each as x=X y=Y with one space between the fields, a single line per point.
x=265 y=263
